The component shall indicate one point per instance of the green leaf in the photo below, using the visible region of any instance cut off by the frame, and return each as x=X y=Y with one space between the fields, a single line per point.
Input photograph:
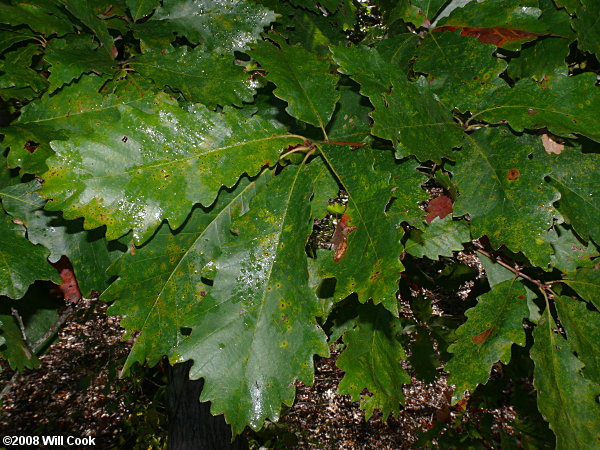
x=8 y=38
x=492 y=327
x=18 y=79
x=566 y=399
x=302 y=79
x=41 y=16
x=371 y=361
x=586 y=26
x=76 y=109
x=583 y=332
x=539 y=60
x=155 y=164
x=222 y=26
x=461 y=70
x=586 y=282
x=569 y=251
x=21 y=262
x=412 y=119
x=418 y=12
x=255 y=333
x=73 y=56
x=440 y=238
x=88 y=251
x=87 y=12
x=14 y=348
x=367 y=259
x=565 y=105
x=141 y=8
x=576 y=175
x=202 y=77
x=326 y=187
x=501 y=178
x=162 y=280
x=350 y=122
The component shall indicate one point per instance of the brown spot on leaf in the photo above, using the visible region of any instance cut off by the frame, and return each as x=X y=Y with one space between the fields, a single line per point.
x=481 y=337
x=438 y=207
x=374 y=276
x=31 y=146
x=521 y=297
x=513 y=174
x=531 y=112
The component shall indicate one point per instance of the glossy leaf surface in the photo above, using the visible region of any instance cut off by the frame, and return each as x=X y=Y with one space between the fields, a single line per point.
x=255 y=332
x=21 y=262
x=155 y=164
x=162 y=280
x=221 y=26
x=576 y=175
x=413 y=120
x=88 y=251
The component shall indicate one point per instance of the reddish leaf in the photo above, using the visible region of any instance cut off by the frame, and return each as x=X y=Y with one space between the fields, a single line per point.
x=439 y=207
x=69 y=286
x=497 y=36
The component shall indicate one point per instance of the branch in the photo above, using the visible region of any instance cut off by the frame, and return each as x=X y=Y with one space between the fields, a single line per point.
x=542 y=286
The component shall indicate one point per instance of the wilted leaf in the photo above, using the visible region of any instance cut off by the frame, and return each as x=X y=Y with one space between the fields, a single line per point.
x=438 y=207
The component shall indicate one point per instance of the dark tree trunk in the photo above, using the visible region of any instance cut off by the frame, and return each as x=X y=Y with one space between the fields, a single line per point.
x=191 y=426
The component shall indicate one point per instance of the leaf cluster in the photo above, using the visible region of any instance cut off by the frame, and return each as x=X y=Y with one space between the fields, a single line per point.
x=178 y=152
